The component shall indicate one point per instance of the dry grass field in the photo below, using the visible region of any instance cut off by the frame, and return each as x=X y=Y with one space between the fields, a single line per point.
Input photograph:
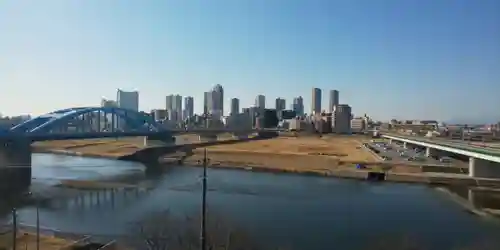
x=28 y=241
x=291 y=154
x=103 y=147
x=343 y=148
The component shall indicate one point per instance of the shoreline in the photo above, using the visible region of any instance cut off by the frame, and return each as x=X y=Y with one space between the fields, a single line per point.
x=39 y=150
x=342 y=171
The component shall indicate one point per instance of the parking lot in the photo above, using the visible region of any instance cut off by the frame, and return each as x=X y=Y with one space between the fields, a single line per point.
x=397 y=153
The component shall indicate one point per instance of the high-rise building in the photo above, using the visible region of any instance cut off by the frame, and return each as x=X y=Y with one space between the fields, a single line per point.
x=215 y=101
x=334 y=100
x=341 y=119
x=127 y=100
x=280 y=104
x=298 y=105
x=235 y=106
x=205 y=102
x=174 y=107
x=316 y=101
x=188 y=107
x=260 y=101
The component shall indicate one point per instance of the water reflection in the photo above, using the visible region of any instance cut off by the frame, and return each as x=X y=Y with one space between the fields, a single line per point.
x=280 y=209
x=481 y=198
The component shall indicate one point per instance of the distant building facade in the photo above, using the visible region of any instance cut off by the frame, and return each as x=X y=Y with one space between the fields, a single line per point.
x=341 y=119
x=235 y=106
x=280 y=104
x=188 y=107
x=260 y=101
x=127 y=100
x=334 y=100
x=298 y=105
x=316 y=101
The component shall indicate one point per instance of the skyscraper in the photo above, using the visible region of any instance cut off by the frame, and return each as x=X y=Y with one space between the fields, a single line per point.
x=188 y=107
x=334 y=100
x=215 y=101
x=260 y=101
x=316 y=101
x=174 y=107
x=298 y=105
x=127 y=100
x=235 y=106
x=280 y=104
x=205 y=102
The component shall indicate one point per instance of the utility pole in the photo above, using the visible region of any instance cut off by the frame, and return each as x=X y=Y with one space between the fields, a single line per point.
x=14 y=231
x=203 y=240
x=37 y=226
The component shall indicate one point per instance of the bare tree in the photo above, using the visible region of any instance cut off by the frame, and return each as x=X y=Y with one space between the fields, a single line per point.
x=161 y=231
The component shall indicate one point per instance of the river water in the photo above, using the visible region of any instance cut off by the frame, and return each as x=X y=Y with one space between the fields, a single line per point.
x=279 y=209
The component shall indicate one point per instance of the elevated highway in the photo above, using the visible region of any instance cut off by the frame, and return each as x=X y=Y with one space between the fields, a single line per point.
x=483 y=161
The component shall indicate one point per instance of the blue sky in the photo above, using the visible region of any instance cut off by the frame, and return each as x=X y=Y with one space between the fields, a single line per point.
x=435 y=59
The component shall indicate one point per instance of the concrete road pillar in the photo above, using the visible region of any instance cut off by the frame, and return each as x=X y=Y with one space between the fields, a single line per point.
x=430 y=152
x=405 y=145
x=390 y=141
x=483 y=168
x=15 y=166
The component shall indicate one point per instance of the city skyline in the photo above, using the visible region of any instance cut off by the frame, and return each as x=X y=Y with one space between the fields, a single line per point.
x=78 y=53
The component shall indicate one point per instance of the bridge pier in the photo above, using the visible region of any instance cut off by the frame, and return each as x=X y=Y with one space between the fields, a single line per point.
x=15 y=166
x=208 y=137
x=430 y=152
x=155 y=141
x=483 y=168
x=405 y=145
x=240 y=135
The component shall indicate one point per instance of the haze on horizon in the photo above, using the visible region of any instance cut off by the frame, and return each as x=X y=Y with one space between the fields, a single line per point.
x=412 y=59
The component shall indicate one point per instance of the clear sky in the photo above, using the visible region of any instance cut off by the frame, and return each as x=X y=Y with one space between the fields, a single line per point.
x=434 y=59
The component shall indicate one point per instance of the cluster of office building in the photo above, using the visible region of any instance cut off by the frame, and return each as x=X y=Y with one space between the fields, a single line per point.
x=179 y=111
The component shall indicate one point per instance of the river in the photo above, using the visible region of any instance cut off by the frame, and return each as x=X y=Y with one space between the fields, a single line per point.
x=279 y=209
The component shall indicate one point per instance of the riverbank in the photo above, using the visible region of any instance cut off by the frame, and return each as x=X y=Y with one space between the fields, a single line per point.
x=99 y=148
x=334 y=156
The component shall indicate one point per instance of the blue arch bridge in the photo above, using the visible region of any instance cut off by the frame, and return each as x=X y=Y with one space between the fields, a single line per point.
x=76 y=123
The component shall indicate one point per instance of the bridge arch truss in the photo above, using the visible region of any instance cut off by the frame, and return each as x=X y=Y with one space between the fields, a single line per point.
x=88 y=119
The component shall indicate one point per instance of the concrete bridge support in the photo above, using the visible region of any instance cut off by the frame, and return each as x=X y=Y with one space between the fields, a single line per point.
x=15 y=166
x=483 y=169
x=240 y=135
x=158 y=141
x=405 y=145
x=431 y=152
x=208 y=137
